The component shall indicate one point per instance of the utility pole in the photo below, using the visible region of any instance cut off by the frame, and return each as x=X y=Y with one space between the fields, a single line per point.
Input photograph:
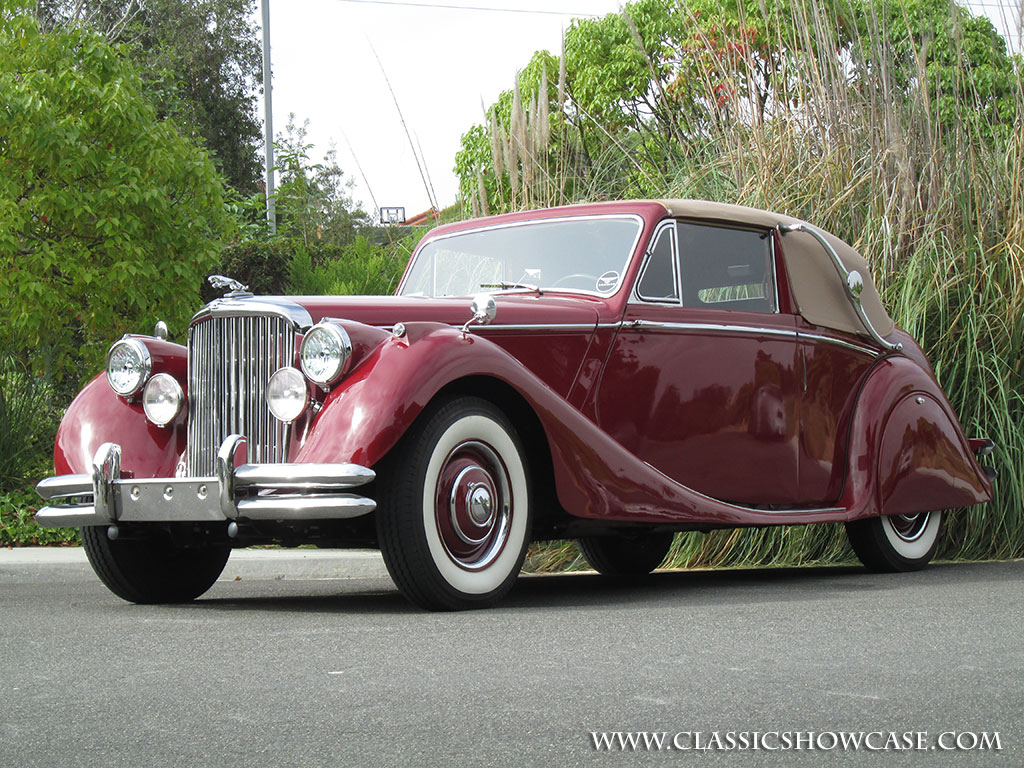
x=268 y=121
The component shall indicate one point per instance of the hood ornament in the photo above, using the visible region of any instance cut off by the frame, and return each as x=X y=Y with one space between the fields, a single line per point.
x=236 y=289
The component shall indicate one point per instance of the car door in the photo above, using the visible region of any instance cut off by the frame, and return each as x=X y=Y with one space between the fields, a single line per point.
x=701 y=381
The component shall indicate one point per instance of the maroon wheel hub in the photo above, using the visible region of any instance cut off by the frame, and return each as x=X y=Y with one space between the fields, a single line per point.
x=910 y=527
x=473 y=505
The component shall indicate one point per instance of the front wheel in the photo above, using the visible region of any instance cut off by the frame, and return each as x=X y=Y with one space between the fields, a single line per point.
x=153 y=570
x=895 y=543
x=453 y=520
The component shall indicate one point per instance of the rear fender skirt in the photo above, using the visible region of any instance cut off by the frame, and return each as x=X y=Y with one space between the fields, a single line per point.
x=907 y=451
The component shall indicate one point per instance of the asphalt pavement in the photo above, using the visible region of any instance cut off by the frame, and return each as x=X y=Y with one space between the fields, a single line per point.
x=309 y=658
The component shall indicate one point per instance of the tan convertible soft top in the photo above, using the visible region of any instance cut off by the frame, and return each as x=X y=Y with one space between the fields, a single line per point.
x=817 y=287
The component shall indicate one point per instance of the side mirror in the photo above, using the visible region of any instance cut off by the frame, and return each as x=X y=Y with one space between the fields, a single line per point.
x=484 y=310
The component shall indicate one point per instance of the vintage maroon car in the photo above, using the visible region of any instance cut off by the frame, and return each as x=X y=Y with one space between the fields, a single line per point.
x=625 y=371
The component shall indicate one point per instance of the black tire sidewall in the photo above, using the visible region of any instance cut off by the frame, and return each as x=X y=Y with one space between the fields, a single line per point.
x=153 y=571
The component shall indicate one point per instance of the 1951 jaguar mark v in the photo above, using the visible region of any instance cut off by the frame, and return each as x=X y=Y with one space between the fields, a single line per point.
x=625 y=371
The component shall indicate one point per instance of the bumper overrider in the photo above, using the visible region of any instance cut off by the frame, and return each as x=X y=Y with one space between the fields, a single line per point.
x=245 y=492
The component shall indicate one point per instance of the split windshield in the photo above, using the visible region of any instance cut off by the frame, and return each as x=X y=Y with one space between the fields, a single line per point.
x=581 y=255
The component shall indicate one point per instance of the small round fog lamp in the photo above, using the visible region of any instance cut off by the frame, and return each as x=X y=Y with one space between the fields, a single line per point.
x=162 y=399
x=287 y=395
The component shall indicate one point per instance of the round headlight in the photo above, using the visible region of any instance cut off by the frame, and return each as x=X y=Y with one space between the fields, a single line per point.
x=162 y=399
x=325 y=352
x=287 y=395
x=128 y=366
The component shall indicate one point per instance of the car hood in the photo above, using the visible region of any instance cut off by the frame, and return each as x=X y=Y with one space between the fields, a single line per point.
x=385 y=311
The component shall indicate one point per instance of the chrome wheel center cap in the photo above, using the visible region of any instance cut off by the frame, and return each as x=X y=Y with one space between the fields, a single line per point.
x=481 y=505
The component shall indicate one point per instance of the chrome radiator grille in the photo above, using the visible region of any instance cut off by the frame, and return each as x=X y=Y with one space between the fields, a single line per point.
x=230 y=360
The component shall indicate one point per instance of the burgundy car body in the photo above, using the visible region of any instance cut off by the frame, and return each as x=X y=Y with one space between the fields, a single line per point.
x=635 y=412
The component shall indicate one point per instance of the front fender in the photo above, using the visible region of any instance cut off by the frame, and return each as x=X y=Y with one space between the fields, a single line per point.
x=908 y=453
x=97 y=415
x=363 y=417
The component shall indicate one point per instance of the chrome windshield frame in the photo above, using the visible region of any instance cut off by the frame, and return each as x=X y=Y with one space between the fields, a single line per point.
x=627 y=260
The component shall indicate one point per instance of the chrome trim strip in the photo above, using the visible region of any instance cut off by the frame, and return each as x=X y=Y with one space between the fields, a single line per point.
x=525 y=223
x=647 y=325
x=812 y=511
x=294 y=313
x=540 y=327
x=839 y=343
x=773 y=251
x=635 y=297
x=552 y=327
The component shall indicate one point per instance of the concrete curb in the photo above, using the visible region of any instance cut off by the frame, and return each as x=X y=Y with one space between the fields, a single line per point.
x=254 y=564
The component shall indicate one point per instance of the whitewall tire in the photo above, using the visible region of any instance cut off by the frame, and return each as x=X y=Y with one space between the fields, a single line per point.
x=897 y=542
x=453 y=521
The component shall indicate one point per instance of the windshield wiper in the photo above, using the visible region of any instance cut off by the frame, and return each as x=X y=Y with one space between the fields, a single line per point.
x=511 y=286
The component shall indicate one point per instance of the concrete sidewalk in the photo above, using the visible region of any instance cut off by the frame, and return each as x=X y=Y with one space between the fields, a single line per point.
x=255 y=564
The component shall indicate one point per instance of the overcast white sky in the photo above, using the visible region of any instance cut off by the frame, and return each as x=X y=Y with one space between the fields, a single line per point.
x=443 y=64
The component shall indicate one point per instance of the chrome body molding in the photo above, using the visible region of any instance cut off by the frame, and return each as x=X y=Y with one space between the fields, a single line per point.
x=806 y=511
x=838 y=342
x=753 y=330
x=250 y=491
x=230 y=306
x=543 y=327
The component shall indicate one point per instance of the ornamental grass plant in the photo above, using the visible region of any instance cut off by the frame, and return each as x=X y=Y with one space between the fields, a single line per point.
x=898 y=127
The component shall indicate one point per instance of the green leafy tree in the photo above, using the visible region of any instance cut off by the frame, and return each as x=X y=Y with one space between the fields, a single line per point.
x=109 y=217
x=313 y=201
x=201 y=61
x=972 y=83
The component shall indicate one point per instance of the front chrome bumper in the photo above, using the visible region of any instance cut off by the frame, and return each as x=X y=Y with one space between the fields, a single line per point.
x=246 y=492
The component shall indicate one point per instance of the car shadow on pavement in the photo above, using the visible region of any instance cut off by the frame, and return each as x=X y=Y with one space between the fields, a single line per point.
x=559 y=591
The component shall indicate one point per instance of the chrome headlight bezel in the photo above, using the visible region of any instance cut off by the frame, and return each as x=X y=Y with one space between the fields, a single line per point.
x=152 y=402
x=333 y=353
x=141 y=368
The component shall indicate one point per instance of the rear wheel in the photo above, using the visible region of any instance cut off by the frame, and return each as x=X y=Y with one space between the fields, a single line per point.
x=453 y=520
x=153 y=570
x=626 y=555
x=895 y=543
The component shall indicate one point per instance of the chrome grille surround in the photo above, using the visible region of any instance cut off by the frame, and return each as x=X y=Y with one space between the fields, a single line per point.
x=234 y=346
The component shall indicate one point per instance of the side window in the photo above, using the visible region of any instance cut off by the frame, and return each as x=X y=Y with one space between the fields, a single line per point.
x=658 y=281
x=723 y=268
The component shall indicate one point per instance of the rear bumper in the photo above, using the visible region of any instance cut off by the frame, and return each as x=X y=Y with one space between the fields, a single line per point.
x=245 y=492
